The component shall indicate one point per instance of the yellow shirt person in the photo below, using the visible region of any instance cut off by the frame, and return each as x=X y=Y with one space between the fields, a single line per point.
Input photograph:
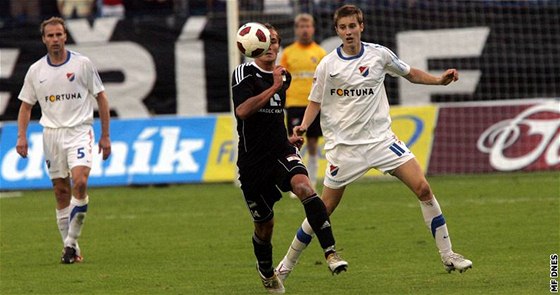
x=300 y=59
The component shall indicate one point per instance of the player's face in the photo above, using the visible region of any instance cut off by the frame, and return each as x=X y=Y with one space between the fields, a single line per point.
x=349 y=30
x=272 y=53
x=54 y=38
x=304 y=32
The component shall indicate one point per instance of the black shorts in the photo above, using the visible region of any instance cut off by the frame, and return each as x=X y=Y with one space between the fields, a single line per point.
x=261 y=184
x=295 y=116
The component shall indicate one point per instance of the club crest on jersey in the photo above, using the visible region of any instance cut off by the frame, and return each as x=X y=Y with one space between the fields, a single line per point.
x=333 y=170
x=70 y=76
x=364 y=71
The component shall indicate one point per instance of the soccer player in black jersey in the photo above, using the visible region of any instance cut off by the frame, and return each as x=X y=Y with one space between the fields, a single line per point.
x=268 y=160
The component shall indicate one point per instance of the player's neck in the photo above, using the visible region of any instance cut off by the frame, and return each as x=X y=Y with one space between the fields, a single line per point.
x=58 y=57
x=352 y=49
x=265 y=65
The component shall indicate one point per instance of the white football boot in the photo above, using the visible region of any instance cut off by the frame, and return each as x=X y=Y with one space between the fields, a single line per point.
x=456 y=261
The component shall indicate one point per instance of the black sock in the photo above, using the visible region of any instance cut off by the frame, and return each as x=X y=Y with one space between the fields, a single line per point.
x=263 y=252
x=319 y=220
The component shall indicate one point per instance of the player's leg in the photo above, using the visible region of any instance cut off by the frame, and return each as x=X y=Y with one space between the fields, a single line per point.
x=410 y=173
x=78 y=212
x=313 y=133
x=260 y=198
x=78 y=146
x=331 y=198
x=312 y=160
x=57 y=166
x=63 y=195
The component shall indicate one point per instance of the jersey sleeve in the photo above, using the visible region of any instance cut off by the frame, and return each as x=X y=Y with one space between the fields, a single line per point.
x=27 y=93
x=94 y=83
x=318 y=86
x=394 y=66
x=241 y=86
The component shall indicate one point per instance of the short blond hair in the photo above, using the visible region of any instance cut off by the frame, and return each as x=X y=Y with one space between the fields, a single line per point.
x=52 y=21
x=303 y=17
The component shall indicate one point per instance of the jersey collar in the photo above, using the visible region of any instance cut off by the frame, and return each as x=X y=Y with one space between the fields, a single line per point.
x=341 y=55
x=68 y=53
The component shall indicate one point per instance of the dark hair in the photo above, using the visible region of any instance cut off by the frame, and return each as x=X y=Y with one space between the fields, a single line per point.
x=348 y=10
x=53 y=20
x=271 y=27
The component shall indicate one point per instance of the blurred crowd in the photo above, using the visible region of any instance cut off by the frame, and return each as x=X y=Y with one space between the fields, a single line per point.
x=21 y=12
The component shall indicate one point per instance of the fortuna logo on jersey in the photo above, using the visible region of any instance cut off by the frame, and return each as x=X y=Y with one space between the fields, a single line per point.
x=353 y=92
x=64 y=96
x=364 y=71
x=333 y=170
x=70 y=76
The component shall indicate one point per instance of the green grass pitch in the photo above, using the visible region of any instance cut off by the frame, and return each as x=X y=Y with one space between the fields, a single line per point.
x=196 y=239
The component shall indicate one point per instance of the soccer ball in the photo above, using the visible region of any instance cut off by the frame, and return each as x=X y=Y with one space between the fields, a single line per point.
x=253 y=39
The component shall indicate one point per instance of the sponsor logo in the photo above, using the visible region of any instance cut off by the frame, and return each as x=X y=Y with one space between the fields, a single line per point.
x=293 y=158
x=516 y=143
x=155 y=151
x=63 y=96
x=353 y=92
x=41 y=81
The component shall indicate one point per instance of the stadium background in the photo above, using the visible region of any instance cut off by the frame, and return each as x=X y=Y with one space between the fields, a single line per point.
x=166 y=73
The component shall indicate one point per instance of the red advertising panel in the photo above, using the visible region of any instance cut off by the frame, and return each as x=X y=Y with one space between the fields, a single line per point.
x=491 y=138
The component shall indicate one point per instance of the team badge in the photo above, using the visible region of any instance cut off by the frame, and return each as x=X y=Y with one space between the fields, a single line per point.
x=364 y=71
x=70 y=76
x=333 y=170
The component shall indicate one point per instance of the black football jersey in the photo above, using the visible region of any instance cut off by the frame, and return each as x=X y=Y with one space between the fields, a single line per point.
x=263 y=135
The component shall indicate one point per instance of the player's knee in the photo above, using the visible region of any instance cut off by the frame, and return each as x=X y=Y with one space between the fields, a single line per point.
x=423 y=191
x=80 y=184
x=62 y=192
x=264 y=230
x=302 y=189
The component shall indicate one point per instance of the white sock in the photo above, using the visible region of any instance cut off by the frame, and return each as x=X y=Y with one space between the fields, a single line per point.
x=62 y=216
x=435 y=222
x=77 y=216
x=301 y=240
x=312 y=167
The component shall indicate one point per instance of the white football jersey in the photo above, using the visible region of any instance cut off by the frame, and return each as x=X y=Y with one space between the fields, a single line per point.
x=65 y=92
x=354 y=105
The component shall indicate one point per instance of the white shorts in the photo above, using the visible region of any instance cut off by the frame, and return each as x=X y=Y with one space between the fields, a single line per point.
x=66 y=148
x=346 y=163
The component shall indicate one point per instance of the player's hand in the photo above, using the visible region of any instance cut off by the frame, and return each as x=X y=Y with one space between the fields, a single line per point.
x=22 y=147
x=105 y=147
x=279 y=76
x=451 y=75
x=296 y=140
x=299 y=130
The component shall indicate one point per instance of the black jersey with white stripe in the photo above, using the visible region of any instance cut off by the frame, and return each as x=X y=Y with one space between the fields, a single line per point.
x=263 y=135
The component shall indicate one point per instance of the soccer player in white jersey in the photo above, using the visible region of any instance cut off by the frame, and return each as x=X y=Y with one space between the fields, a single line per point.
x=349 y=93
x=65 y=84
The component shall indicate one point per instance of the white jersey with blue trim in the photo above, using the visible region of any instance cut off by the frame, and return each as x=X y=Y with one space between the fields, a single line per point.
x=65 y=92
x=350 y=89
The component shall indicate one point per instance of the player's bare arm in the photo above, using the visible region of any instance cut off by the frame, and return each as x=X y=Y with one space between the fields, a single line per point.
x=253 y=104
x=104 y=140
x=23 y=121
x=418 y=76
x=311 y=112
